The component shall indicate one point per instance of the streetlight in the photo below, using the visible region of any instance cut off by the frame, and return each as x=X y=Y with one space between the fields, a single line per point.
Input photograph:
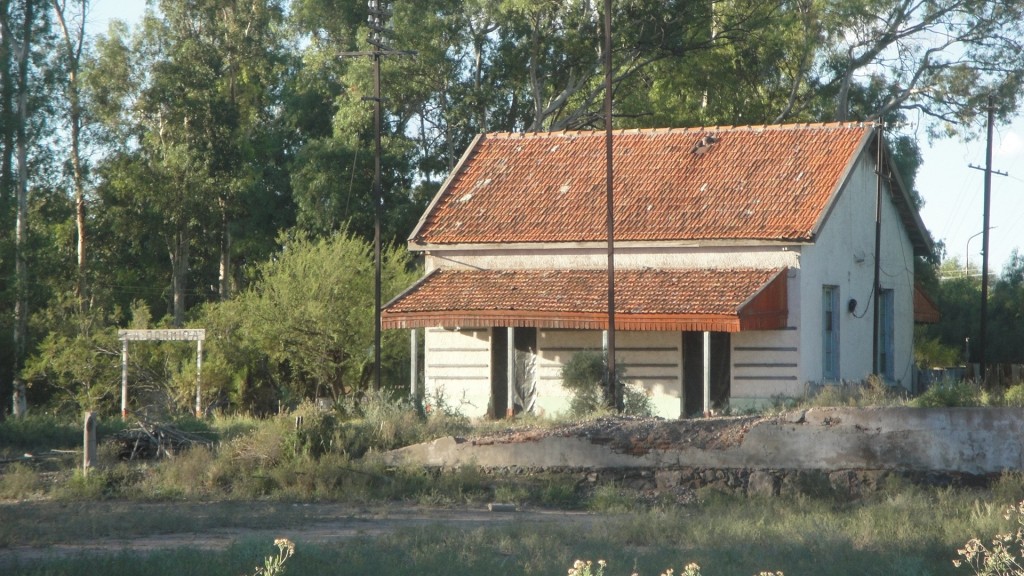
x=967 y=256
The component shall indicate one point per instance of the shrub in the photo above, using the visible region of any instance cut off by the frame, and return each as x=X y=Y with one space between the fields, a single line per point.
x=585 y=376
x=636 y=402
x=949 y=395
x=1015 y=396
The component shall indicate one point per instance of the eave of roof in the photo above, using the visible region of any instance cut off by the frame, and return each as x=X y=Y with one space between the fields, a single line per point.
x=669 y=300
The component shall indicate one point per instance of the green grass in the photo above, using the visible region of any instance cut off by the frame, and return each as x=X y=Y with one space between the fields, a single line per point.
x=260 y=472
x=912 y=531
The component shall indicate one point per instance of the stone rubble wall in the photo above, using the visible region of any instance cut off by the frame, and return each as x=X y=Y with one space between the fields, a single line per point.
x=683 y=484
x=849 y=450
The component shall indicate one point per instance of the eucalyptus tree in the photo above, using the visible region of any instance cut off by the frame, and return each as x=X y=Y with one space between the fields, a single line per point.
x=487 y=65
x=327 y=102
x=71 y=17
x=24 y=100
x=940 y=58
x=193 y=92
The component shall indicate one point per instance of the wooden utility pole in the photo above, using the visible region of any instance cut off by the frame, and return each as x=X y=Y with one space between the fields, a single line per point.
x=985 y=218
x=614 y=394
x=379 y=13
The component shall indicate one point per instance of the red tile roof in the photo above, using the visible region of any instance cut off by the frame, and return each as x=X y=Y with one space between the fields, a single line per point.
x=754 y=183
x=925 y=310
x=718 y=300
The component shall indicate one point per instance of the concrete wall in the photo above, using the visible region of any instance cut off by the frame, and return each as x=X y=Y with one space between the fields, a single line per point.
x=957 y=440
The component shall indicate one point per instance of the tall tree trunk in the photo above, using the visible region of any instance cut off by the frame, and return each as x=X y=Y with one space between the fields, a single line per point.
x=21 y=226
x=179 y=251
x=7 y=193
x=224 y=287
x=73 y=45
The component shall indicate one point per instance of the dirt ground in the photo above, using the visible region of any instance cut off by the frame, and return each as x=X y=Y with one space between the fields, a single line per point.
x=305 y=523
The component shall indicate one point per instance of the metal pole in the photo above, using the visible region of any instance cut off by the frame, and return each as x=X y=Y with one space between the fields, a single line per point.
x=984 y=241
x=614 y=393
x=876 y=290
x=967 y=255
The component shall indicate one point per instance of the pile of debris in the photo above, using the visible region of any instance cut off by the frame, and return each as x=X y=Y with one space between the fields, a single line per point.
x=151 y=441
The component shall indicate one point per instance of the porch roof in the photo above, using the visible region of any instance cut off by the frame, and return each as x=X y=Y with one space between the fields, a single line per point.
x=716 y=300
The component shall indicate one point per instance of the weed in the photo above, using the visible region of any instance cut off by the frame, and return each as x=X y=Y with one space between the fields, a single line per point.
x=84 y=486
x=587 y=568
x=871 y=392
x=1002 y=556
x=610 y=498
x=20 y=481
x=1009 y=487
x=590 y=568
x=274 y=565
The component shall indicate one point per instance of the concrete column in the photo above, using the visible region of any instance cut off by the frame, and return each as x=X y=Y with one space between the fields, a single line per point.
x=707 y=374
x=124 y=379
x=199 y=378
x=89 y=442
x=681 y=358
x=510 y=406
x=414 y=368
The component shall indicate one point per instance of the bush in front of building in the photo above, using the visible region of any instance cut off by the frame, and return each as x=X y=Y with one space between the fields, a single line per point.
x=585 y=376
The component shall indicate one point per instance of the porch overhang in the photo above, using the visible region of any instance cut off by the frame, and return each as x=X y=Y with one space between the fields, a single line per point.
x=645 y=300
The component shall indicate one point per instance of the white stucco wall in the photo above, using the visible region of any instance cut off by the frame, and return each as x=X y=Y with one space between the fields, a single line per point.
x=843 y=256
x=765 y=364
x=542 y=257
x=457 y=370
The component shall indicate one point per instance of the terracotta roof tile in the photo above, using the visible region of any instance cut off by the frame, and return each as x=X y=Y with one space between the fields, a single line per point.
x=522 y=294
x=771 y=183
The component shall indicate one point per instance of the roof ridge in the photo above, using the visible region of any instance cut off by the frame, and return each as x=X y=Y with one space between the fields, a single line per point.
x=684 y=129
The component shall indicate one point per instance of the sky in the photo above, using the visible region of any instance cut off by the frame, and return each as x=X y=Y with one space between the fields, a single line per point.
x=954 y=195
x=953 y=192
